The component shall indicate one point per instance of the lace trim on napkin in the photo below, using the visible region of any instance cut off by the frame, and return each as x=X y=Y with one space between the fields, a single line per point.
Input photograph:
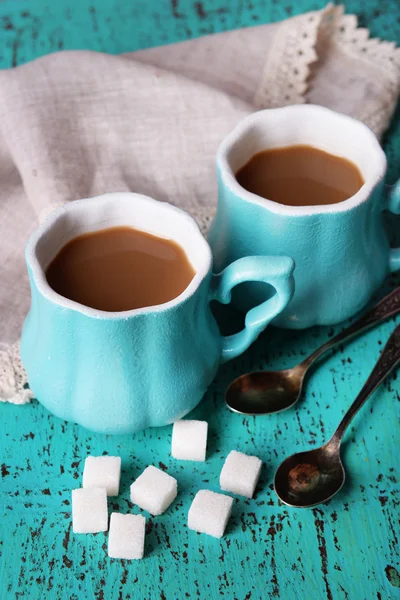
x=13 y=380
x=381 y=54
x=287 y=69
x=203 y=215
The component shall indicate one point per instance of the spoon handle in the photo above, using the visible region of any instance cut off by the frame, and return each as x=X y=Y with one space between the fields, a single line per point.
x=387 y=307
x=389 y=358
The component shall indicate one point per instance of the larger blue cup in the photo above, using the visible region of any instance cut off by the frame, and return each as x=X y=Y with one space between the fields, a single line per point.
x=121 y=372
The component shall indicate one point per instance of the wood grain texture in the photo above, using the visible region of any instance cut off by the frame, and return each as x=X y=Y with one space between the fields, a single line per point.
x=347 y=549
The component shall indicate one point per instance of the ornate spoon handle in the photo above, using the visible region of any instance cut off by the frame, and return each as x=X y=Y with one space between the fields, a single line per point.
x=389 y=358
x=387 y=307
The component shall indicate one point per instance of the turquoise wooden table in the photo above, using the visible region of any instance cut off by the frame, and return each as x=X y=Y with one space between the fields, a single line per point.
x=346 y=549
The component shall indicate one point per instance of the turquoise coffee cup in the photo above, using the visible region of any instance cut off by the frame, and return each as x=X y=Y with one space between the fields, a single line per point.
x=341 y=251
x=121 y=372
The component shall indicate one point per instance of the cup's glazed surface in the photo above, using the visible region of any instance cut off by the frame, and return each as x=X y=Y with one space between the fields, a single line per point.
x=121 y=372
x=341 y=251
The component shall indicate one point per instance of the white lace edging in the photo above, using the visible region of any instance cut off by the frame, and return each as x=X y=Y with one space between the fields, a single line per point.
x=287 y=70
x=356 y=41
x=13 y=379
x=203 y=215
x=383 y=55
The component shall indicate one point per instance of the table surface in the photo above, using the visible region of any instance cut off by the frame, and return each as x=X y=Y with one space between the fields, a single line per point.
x=346 y=549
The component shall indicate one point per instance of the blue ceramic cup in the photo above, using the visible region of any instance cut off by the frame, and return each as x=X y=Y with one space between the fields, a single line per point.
x=121 y=372
x=341 y=251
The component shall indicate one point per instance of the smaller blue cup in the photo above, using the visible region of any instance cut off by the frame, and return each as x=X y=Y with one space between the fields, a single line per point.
x=341 y=251
x=124 y=371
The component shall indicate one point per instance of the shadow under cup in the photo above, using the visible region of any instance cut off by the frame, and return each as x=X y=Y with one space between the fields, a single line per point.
x=341 y=251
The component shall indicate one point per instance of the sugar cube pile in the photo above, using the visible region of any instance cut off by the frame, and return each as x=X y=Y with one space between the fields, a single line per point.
x=189 y=440
x=154 y=490
x=89 y=510
x=126 y=536
x=102 y=472
x=240 y=474
x=210 y=512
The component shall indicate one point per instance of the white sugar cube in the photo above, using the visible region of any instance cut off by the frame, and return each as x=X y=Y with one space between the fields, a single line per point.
x=240 y=474
x=89 y=510
x=104 y=472
x=189 y=440
x=209 y=513
x=126 y=537
x=154 y=490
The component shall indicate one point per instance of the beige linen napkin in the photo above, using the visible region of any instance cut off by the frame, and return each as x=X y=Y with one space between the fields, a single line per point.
x=78 y=124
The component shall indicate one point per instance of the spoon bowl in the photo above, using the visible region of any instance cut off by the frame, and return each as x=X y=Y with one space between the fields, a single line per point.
x=265 y=392
x=262 y=393
x=309 y=478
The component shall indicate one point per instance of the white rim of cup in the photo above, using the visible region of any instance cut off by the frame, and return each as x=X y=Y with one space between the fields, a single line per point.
x=375 y=175
x=59 y=213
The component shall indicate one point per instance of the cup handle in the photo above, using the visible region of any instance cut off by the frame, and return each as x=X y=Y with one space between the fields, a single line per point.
x=274 y=270
x=393 y=205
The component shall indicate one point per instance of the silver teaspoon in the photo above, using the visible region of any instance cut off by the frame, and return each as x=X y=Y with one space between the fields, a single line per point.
x=309 y=478
x=265 y=392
